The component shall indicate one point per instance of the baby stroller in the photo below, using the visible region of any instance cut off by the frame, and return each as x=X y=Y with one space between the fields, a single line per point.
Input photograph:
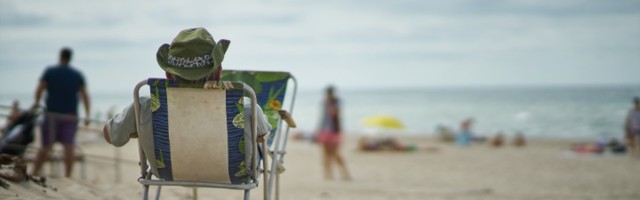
x=19 y=134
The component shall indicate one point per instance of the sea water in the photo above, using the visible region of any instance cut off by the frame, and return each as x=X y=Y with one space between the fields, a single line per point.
x=548 y=112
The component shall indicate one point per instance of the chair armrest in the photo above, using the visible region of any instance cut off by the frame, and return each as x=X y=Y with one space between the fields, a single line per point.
x=287 y=118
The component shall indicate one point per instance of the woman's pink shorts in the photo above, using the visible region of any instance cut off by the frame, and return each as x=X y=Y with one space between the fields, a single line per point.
x=329 y=137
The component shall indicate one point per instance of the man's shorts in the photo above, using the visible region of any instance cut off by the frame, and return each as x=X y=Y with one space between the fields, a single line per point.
x=59 y=128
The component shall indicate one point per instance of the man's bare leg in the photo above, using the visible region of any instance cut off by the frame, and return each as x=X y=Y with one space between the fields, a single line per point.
x=69 y=159
x=41 y=158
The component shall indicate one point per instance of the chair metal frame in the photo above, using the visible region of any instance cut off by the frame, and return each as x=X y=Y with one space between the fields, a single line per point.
x=279 y=150
x=146 y=176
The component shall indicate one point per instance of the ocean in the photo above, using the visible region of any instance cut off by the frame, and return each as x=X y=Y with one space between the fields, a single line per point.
x=541 y=112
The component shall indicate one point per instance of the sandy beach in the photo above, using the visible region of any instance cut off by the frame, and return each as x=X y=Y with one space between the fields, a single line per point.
x=544 y=169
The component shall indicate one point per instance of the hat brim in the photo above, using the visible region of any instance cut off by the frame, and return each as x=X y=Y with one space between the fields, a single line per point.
x=218 y=52
x=185 y=73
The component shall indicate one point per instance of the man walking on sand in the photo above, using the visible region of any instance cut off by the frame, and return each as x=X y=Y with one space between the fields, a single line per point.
x=63 y=85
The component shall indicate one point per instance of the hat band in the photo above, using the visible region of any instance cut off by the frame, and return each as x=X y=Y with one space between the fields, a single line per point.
x=195 y=62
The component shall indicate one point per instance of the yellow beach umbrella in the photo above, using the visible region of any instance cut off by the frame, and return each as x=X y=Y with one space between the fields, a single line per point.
x=383 y=121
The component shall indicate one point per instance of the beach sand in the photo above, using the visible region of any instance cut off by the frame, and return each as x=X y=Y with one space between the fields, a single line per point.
x=544 y=169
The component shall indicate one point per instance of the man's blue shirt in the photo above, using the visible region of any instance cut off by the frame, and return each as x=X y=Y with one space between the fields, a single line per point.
x=63 y=85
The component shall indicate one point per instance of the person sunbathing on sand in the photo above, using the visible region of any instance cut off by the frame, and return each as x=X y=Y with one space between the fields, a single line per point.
x=519 y=140
x=498 y=140
x=378 y=144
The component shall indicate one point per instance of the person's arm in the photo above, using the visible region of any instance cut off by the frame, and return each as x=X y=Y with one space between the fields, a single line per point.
x=262 y=123
x=335 y=115
x=119 y=129
x=87 y=104
x=39 y=90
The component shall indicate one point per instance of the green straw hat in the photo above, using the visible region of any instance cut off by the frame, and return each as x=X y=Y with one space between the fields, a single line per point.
x=193 y=54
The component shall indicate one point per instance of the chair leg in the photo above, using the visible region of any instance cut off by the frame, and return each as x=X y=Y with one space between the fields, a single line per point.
x=158 y=192
x=246 y=194
x=83 y=172
x=195 y=193
x=277 y=186
x=145 y=193
x=265 y=167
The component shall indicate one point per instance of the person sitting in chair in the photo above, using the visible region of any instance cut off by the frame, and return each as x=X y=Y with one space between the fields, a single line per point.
x=192 y=57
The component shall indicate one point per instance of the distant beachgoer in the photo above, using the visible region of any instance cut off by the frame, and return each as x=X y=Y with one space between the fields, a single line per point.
x=329 y=136
x=617 y=147
x=15 y=111
x=588 y=148
x=601 y=145
x=14 y=114
x=497 y=140
x=632 y=127
x=380 y=144
x=519 y=140
x=445 y=134
x=63 y=84
x=465 y=136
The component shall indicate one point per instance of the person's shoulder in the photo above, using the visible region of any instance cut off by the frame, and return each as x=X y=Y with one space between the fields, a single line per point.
x=49 y=71
x=51 y=68
x=74 y=69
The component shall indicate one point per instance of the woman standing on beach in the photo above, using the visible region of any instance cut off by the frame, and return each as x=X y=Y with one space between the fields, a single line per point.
x=329 y=136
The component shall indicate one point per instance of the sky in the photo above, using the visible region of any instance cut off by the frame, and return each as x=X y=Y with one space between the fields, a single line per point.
x=358 y=44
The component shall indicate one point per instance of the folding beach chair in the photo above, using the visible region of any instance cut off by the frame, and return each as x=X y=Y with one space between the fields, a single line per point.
x=198 y=136
x=270 y=88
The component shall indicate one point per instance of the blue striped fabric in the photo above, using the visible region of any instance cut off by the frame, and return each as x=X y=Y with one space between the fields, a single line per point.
x=162 y=144
x=234 y=137
x=160 y=123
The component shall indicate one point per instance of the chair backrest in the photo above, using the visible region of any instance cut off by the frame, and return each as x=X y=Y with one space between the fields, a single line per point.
x=270 y=88
x=198 y=133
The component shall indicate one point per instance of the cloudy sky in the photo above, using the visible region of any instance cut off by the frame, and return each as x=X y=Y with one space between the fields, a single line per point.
x=352 y=44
